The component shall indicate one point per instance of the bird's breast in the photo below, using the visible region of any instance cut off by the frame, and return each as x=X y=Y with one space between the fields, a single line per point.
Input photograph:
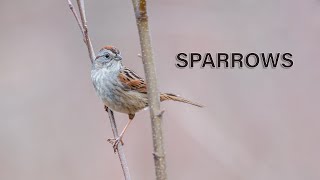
x=113 y=93
x=105 y=82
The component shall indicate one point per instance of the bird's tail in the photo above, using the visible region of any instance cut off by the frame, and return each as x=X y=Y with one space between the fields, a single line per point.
x=173 y=97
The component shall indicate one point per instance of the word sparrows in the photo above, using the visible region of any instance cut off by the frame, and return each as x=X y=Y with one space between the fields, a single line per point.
x=120 y=88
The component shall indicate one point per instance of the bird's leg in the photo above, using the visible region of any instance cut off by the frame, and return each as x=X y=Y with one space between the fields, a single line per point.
x=116 y=141
x=111 y=140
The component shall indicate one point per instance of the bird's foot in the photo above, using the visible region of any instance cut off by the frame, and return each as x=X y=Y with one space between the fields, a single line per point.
x=115 y=143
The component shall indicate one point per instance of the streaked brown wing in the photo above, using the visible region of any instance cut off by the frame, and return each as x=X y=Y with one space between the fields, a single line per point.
x=132 y=81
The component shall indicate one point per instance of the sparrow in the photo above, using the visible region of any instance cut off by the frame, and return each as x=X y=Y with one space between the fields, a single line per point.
x=121 y=89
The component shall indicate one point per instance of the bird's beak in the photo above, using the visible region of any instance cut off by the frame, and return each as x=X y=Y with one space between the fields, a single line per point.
x=118 y=57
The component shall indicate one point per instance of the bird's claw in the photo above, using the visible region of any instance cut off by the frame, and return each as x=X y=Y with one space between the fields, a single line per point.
x=115 y=143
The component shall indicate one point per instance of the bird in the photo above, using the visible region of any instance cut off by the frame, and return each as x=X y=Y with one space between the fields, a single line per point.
x=121 y=89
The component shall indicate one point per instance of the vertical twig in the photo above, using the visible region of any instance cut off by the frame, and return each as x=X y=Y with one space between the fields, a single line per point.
x=140 y=10
x=122 y=157
x=84 y=30
x=86 y=37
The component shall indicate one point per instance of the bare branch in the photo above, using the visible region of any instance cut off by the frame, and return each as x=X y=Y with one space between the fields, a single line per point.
x=140 y=10
x=76 y=16
x=122 y=157
x=84 y=30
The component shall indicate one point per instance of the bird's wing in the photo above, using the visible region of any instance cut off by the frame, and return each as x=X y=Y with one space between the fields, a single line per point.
x=132 y=81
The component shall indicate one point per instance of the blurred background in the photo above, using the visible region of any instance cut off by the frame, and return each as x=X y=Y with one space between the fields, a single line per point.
x=257 y=124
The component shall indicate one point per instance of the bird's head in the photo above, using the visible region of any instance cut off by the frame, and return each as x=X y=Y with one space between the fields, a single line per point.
x=107 y=56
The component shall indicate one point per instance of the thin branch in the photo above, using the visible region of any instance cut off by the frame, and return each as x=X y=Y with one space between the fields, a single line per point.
x=122 y=157
x=76 y=16
x=84 y=30
x=85 y=33
x=140 y=10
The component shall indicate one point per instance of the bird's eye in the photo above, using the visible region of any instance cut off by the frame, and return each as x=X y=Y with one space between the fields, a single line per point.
x=107 y=55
